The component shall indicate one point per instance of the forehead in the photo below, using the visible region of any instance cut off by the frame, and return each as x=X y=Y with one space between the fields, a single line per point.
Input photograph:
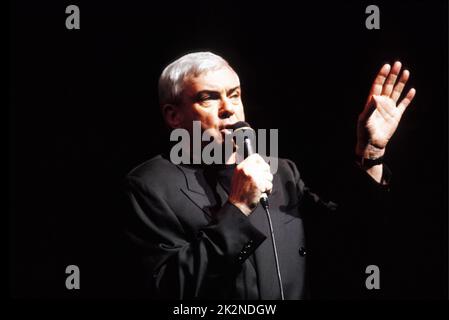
x=214 y=80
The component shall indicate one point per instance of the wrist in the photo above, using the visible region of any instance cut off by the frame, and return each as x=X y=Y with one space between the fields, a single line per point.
x=370 y=159
x=245 y=209
x=369 y=152
x=368 y=163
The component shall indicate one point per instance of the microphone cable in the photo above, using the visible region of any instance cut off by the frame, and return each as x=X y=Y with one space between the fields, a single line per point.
x=264 y=202
x=241 y=127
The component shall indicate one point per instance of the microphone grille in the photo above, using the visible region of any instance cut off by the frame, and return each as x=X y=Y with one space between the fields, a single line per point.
x=240 y=125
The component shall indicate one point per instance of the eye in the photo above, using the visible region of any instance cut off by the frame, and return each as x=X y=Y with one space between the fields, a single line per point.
x=235 y=95
x=204 y=97
x=207 y=96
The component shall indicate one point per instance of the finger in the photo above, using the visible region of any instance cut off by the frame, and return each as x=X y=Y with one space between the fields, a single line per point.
x=268 y=176
x=263 y=179
x=391 y=80
x=256 y=161
x=400 y=85
x=268 y=187
x=261 y=184
x=264 y=165
x=257 y=158
x=406 y=101
x=376 y=88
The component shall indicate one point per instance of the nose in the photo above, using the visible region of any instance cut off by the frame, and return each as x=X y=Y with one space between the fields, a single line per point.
x=226 y=109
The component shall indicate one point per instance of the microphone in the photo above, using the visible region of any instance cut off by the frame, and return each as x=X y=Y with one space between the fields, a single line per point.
x=244 y=129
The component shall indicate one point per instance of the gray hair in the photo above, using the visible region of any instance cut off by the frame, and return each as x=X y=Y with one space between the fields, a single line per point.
x=171 y=81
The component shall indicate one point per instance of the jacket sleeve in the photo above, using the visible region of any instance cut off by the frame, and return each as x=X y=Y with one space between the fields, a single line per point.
x=181 y=268
x=346 y=235
x=353 y=192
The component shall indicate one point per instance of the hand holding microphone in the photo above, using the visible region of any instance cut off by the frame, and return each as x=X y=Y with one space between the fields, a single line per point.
x=252 y=179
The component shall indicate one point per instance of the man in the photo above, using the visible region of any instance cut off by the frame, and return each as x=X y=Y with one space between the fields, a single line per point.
x=200 y=231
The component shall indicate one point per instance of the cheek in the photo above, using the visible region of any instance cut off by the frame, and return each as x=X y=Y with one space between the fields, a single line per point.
x=208 y=117
x=240 y=113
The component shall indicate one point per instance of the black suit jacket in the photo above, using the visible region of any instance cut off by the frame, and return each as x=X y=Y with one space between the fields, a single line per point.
x=192 y=243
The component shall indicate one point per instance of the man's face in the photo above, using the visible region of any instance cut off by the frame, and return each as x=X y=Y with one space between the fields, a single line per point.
x=214 y=98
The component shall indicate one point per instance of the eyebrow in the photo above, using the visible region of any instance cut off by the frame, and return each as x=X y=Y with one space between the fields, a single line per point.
x=232 y=90
x=212 y=92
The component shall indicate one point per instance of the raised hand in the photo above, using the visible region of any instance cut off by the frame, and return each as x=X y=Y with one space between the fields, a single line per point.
x=382 y=113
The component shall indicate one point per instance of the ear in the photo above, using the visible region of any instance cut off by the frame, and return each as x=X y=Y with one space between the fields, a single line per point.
x=173 y=115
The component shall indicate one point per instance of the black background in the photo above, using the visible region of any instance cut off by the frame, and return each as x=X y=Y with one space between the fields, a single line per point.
x=83 y=111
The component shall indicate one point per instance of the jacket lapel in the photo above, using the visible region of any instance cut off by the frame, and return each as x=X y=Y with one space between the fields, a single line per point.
x=195 y=189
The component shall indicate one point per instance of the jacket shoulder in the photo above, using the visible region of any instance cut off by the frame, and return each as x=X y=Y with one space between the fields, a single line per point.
x=156 y=171
x=287 y=169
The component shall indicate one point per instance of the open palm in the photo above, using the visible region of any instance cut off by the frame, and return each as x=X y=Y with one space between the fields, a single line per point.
x=382 y=113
